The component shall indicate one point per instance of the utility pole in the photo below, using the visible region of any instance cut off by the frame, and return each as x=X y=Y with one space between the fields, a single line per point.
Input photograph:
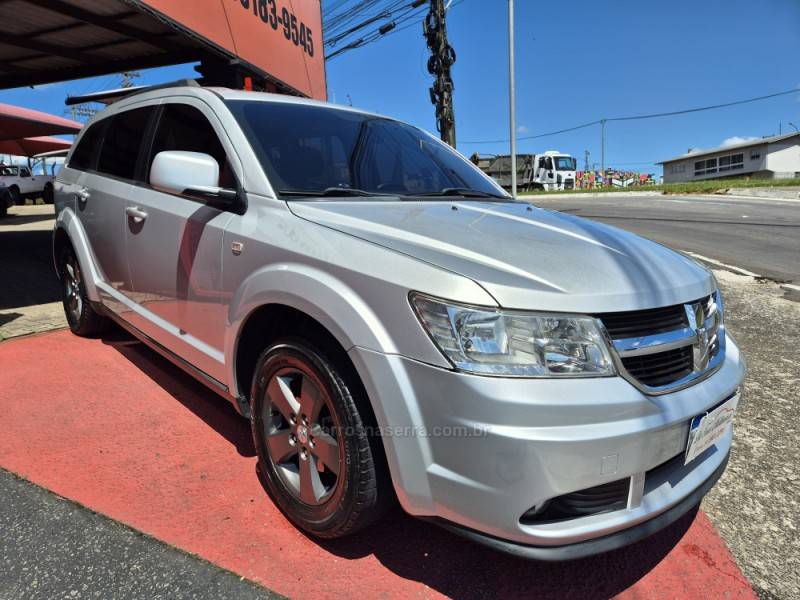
x=128 y=77
x=441 y=60
x=512 y=100
x=603 y=150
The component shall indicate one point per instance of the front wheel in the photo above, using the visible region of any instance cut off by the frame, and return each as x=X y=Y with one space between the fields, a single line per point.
x=320 y=465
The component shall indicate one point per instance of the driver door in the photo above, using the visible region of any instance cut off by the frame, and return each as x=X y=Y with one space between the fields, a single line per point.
x=174 y=246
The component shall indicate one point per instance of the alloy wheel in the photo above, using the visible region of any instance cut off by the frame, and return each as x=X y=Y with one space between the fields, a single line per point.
x=302 y=439
x=72 y=292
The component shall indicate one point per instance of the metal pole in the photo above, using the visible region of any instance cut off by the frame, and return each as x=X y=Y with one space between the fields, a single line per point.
x=603 y=150
x=512 y=99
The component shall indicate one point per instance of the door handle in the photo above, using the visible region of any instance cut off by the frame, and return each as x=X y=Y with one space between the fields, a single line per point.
x=136 y=213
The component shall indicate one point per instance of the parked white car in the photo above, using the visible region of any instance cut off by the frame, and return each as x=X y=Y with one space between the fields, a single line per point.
x=22 y=183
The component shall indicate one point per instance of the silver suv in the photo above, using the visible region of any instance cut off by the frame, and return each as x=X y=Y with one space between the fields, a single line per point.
x=395 y=326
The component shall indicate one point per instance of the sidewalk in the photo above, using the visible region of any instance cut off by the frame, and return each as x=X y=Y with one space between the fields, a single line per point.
x=787 y=193
x=774 y=193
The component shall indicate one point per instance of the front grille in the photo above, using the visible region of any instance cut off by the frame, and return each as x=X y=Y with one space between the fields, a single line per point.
x=659 y=346
x=661 y=368
x=636 y=323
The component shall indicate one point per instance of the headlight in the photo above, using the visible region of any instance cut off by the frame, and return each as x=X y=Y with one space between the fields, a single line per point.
x=515 y=344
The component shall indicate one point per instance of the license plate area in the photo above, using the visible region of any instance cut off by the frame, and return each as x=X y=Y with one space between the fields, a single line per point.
x=709 y=428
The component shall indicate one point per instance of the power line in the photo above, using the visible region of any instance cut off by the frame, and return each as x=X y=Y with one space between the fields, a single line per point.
x=411 y=12
x=381 y=31
x=712 y=107
x=642 y=117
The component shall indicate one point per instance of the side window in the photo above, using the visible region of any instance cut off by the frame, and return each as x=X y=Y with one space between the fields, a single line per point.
x=123 y=141
x=84 y=155
x=183 y=127
x=24 y=172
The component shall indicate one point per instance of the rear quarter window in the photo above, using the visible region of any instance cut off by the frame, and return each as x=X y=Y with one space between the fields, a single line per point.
x=84 y=157
x=123 y=142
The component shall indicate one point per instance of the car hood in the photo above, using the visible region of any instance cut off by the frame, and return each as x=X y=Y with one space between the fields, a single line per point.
x=525 y=257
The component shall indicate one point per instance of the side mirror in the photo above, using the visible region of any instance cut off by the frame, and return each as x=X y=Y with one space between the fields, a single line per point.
x=189 y=173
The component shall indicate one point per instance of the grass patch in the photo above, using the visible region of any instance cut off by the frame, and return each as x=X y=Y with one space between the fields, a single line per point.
x=708 y=186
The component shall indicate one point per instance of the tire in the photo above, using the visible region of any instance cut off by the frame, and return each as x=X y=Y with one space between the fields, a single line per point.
x=16 y=197
x=82 y=318
x=3 y=209
x=305 y=402
x=48 y=195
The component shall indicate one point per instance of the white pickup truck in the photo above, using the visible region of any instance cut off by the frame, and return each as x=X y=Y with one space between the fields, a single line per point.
x=22 y=183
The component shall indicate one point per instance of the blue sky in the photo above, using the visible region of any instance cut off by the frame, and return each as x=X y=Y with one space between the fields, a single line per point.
x=576 y=62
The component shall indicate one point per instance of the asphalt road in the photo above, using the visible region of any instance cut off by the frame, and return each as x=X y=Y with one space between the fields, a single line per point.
x=52 y=548
x=762 y=236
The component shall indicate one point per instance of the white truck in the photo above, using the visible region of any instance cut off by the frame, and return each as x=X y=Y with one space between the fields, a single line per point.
x=21 y=183
x=551 y=170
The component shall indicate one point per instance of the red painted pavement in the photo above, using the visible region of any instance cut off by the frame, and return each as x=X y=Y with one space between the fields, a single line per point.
x=113 y=426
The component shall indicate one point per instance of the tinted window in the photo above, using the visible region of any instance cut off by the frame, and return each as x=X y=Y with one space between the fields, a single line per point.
x=84 y=155
x=306 y=148
x=123 y=141
x=183 y=127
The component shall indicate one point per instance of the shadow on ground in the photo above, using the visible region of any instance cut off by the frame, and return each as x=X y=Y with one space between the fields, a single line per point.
x=449 y=564
x=26 y=269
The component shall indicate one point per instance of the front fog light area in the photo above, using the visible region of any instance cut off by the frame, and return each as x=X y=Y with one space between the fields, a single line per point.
x=494 y=342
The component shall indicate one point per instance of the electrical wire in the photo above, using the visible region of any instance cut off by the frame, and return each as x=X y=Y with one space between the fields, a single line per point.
x=410 y=13
x=642 y=117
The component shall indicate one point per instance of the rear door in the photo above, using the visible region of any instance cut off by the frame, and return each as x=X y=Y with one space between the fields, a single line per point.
x=175 y=250
x=106 y=184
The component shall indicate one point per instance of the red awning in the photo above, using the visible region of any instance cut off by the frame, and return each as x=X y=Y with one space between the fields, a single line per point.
x=33 y=146
x=17 y=123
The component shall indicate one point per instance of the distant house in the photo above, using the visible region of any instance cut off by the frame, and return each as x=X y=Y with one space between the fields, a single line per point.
x=775 y=157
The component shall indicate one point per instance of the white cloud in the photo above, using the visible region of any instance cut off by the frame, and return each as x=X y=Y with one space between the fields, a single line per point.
x=736 y=139
x=523 y=129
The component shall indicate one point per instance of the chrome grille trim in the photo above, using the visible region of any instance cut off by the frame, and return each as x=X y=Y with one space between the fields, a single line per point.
x=659 y=342
x=705 y=334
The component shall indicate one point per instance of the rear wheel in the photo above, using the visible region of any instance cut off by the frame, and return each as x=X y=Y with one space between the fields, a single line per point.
x=82 y=318
x=320 y=466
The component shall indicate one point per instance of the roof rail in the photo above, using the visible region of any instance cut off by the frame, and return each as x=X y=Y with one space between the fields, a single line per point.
x=111 y=96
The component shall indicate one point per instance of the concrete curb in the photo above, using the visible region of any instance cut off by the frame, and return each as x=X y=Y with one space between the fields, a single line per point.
x=531 y=197
x=734 y=193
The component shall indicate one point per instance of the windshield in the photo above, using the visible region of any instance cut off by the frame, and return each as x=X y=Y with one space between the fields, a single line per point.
x=8 y=171
x=316 y=150
x=565 y=163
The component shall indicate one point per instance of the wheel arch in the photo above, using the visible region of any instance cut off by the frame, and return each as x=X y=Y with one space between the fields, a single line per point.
x=68 y=231
x=283 y=296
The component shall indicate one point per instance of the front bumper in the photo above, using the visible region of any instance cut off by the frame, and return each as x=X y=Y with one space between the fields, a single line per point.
x=479 y=452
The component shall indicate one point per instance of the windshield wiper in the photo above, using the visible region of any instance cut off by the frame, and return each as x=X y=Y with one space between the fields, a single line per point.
x=463 y=192
x=331 y=191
